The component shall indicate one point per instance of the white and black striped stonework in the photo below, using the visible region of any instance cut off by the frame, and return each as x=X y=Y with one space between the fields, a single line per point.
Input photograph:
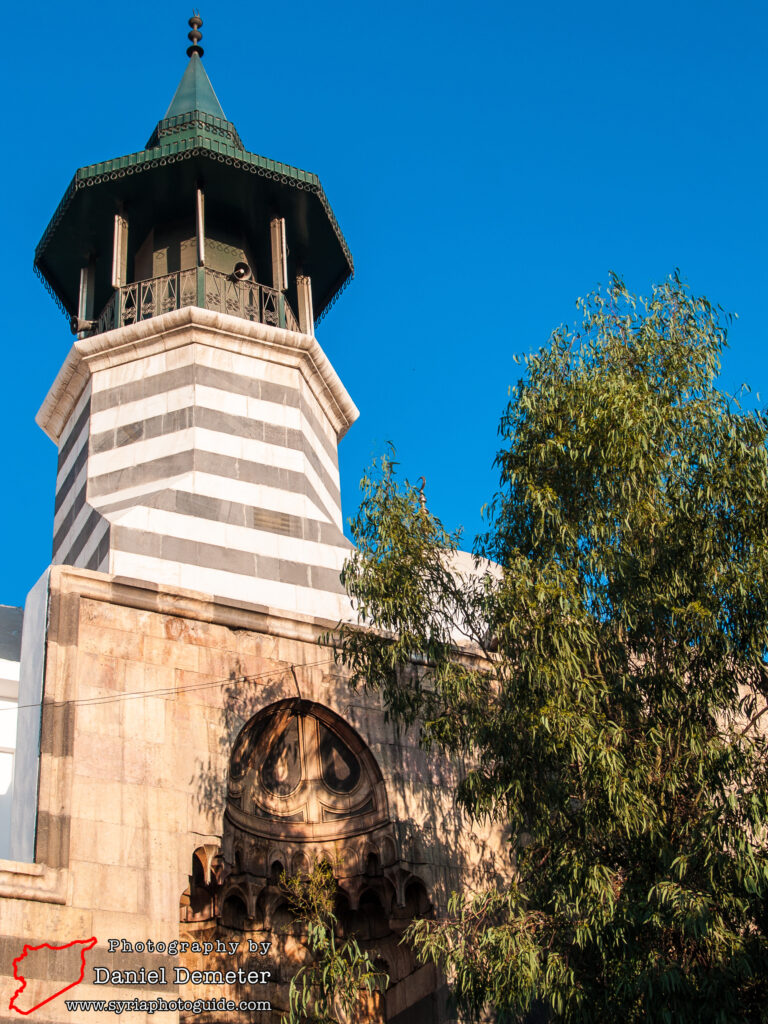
x=80 y=533
x=198 y=450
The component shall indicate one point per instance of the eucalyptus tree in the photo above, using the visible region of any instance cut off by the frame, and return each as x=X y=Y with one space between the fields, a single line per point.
x=339 y=983
x=613 y=719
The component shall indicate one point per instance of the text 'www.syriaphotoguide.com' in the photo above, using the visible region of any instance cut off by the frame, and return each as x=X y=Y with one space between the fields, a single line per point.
x=166 y=1005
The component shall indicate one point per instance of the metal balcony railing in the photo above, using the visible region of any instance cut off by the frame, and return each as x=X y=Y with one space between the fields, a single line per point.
x=202 y=287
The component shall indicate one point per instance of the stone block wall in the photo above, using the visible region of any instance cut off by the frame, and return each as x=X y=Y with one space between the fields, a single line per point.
x=145 y=691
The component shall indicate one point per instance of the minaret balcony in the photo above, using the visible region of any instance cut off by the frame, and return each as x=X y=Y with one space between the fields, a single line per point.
x=211 y=289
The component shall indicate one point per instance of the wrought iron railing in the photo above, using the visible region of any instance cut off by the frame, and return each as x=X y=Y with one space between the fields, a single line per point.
x=106 y=321
x=204 y=287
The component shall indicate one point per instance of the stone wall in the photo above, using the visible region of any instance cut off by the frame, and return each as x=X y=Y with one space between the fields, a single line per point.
x=145 y=691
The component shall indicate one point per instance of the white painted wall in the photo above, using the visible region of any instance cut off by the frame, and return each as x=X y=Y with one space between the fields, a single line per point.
x=27 y=758
x=9 y=698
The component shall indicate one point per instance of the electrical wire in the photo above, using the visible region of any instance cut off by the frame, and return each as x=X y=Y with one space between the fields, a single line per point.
x=168 y=690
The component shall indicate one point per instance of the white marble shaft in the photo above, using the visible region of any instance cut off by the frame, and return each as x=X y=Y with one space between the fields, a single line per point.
x=199 y=450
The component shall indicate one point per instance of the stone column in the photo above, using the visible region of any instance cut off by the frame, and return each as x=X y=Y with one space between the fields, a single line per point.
x=120 y=251
x=279 y=254
x=305 y=311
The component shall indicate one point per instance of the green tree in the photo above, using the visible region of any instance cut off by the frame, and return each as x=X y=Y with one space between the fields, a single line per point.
x=613 y=718
x=331 y=988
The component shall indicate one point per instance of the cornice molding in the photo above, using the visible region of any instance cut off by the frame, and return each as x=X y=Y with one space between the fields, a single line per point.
x=37 y=882
x=189 y=326
x=188 y=604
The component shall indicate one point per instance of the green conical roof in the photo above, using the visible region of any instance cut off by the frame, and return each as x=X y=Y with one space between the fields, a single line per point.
x=193 y=146
x=195 y=92
x=194 y=108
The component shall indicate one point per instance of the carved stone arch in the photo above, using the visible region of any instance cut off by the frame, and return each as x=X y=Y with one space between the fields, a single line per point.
x=371 y=861
x=300 y=864
x=206 y=856
x=198 y=869
x=269 y=902
x=371 y=908
x=277 y=862
x=235 y=911
x=416 y=898
x=280 y=918
x=298 y=771
x=353 y=888
x=388 y=852
x=347 y=861
x=325 y=856
x=343 y=900
x=304 y=787
x=199 y=900
x=399 y=878
x=236 y=889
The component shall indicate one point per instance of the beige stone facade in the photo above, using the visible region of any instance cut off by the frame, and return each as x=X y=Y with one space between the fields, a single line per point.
x=146 y=692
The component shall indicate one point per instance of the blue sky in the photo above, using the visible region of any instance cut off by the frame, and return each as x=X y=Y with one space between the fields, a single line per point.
x=488 y=164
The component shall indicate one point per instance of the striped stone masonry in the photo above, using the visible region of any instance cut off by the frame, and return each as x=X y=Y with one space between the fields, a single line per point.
x=199 y=450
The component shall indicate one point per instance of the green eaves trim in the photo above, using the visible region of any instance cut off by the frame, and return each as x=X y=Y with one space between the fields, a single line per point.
x=201 y=140
x=54 y=295
x=333 y=300
x=204 y=122
x=199 y=144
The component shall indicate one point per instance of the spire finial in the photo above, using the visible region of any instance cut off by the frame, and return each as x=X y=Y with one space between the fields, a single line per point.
x=195 y=23
x=422 y=496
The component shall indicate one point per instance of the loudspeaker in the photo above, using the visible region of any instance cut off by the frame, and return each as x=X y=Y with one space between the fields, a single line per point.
x=242 y=272
x=78 y=326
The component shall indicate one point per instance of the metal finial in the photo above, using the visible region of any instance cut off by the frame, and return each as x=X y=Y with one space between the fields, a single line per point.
x=422 y=497
x=195 y=23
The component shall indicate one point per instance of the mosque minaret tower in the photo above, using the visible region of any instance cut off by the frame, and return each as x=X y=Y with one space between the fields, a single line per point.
x=196 y=416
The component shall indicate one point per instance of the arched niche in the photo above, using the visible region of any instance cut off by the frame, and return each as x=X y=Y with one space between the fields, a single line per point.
x=300 y=773
x=304 y=787
x=234 y=912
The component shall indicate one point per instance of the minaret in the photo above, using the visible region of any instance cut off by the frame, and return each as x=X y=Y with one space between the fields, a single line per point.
x=196 y=416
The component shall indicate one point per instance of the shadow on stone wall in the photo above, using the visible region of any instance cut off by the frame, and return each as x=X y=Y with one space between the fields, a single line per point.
x=241 y=699
x=436 y=848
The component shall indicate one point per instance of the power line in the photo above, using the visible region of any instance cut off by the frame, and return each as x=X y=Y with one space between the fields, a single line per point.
x=167 y=690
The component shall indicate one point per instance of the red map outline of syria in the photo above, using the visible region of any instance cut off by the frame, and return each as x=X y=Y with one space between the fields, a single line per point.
x=85 y=943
